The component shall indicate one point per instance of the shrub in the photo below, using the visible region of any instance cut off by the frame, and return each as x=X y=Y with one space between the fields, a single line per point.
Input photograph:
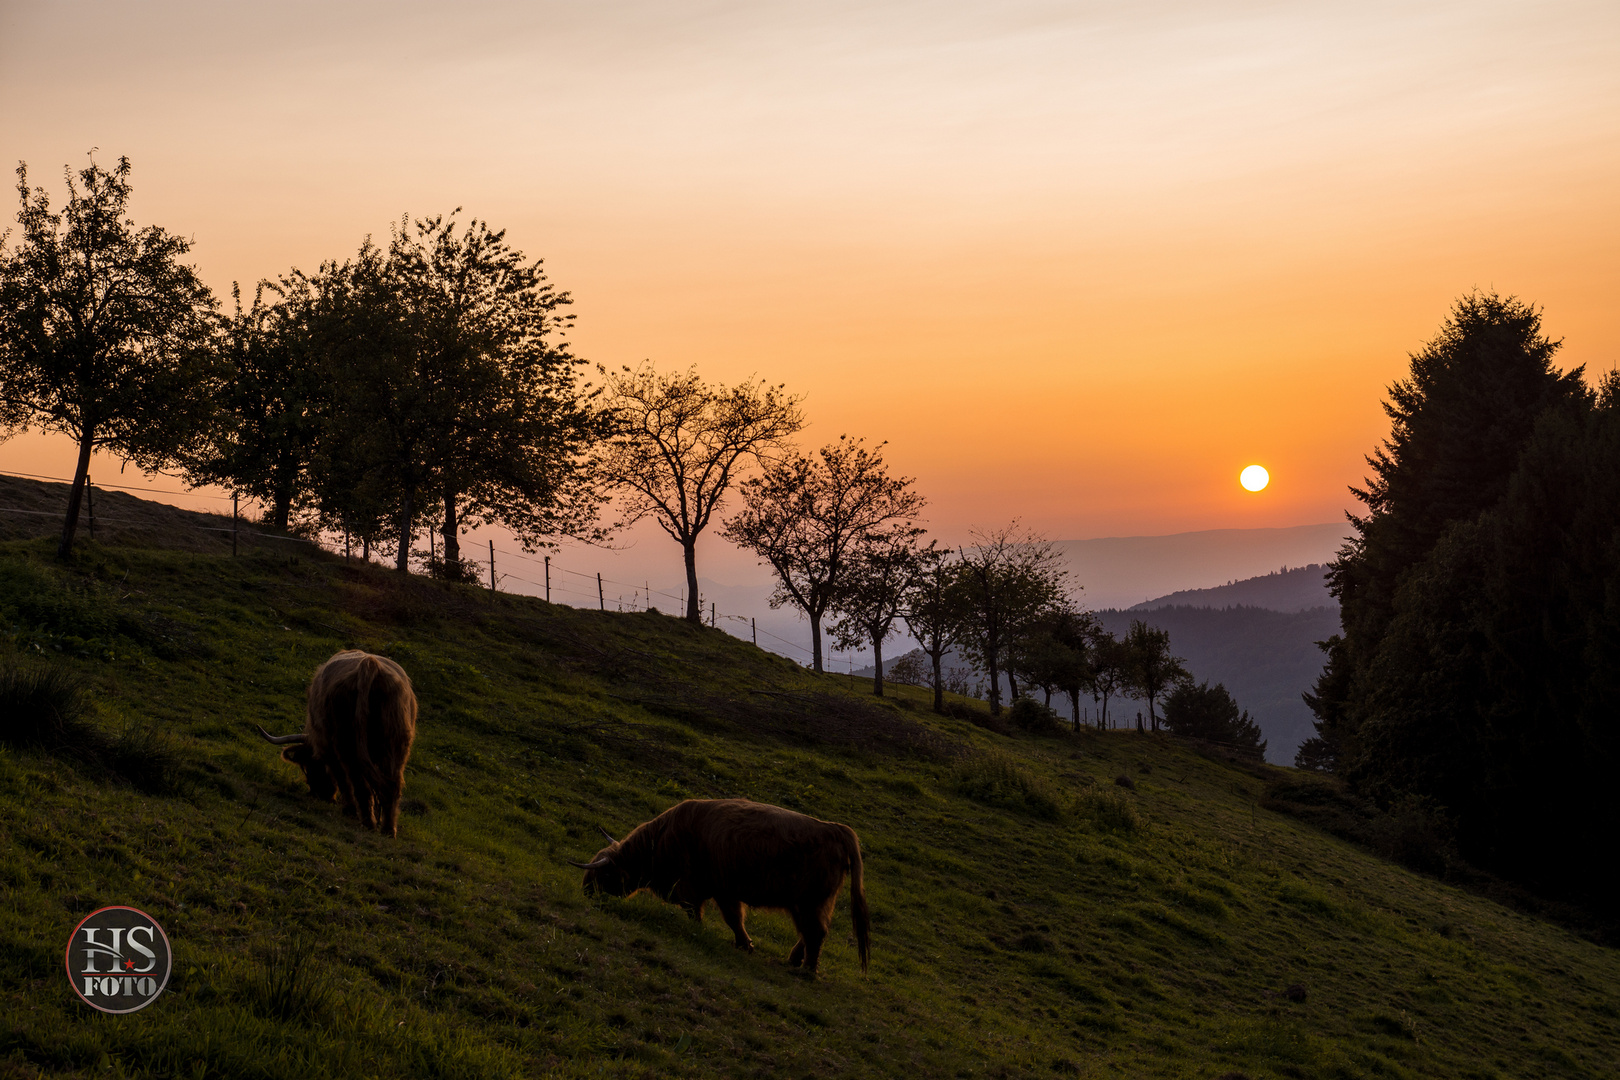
x=1108 y=811
x=1029 y=715
x=996 y=781
x=288 y=986
x=41 y=705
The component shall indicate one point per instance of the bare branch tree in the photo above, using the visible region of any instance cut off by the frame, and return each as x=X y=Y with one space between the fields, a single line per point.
x=807 y=515
x=679 y=443
x=1006 y=575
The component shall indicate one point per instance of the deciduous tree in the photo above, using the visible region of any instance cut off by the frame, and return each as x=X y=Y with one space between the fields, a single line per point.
x=1150 y=670
x=807 y=515
x=104 y=330
x=1007 y=575
x=678 y=444
x=881 y=575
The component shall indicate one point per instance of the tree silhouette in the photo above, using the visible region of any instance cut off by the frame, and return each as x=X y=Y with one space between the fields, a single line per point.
x=1150 y=670
x=1007 y=575
x=808 y=515
x=678 y=444
x=881 y=575
x=104 y=332
x=1458 y=425
x=1108 y=664
x=1201 y=711
x=275 y=398
x=933 y=612
x=507 y=428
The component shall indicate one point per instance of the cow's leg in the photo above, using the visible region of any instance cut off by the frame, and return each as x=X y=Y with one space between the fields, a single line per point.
x=345 y=788
x=812 y=932
x=734 y=912
x=796 y=957
x=388 y=805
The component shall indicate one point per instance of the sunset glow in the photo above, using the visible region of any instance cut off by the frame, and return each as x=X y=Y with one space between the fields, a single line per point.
x=1254 y=478
x=1068 y=263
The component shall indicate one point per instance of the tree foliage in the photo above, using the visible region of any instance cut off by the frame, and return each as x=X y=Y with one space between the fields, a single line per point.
x=1489 y=684
x=1458 y=424
x=104 y=330
x=1007 y=577
x=1149 y=669
x=809 y=516
x=1209 y=713
x=882 y=575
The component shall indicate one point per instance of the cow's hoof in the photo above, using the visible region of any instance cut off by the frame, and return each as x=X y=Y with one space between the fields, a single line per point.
x=745 y=946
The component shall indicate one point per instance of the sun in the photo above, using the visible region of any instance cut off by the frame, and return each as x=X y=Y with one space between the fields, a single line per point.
x=1254 y=478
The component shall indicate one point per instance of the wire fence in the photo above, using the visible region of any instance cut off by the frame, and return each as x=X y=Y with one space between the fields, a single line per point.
x=572 y=587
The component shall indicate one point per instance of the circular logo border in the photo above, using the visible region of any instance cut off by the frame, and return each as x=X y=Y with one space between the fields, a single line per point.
x=67 y=959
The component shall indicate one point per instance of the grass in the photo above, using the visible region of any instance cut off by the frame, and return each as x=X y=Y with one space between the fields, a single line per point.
x=1031 y=917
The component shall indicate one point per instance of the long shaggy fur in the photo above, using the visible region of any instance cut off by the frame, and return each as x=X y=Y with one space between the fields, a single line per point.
x=359 y=728
x=743 y=855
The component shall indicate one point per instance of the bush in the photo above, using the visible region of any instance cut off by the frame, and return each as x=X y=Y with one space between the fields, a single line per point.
x=1029 y=715
x=41 y=705
x=1108 y=811
x=44 y=706
x=996 y=781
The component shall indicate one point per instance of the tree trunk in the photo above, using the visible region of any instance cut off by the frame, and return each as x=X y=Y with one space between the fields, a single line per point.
x=939 y=683
x=694 y=608
x=877 y=665
x=815 y=640
x=407 y=514
x=452 y=537
x=87 y=442
x=1012 y=685
x=1047 y=700
x=995 y=683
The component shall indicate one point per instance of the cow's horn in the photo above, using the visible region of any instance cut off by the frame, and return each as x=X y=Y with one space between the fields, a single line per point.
x=282 y=740
x=608 y=835
x=594 y=864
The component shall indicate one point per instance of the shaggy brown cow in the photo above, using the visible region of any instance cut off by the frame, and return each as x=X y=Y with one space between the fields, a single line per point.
x=742 y=855
x=357 y=736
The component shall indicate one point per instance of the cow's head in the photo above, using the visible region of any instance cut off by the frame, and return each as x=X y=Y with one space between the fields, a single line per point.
x=603 y=872
x=296 y=749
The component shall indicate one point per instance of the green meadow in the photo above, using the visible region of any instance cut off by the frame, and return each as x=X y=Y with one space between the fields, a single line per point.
x=1092 y=904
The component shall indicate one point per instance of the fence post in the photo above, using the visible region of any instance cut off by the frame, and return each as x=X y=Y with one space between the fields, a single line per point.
x=492 y=567
x=753 y=626
x=233 y=524
x=711 y=614
x=601 y=603
x=345 y=543
x=90 y=500
x=548 y=579
x=649 y=596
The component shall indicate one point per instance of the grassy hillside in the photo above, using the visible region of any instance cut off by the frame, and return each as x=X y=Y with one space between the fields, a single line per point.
x=1032 y=916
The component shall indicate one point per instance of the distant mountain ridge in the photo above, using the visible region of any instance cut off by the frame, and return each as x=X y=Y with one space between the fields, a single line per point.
x=1298 y=588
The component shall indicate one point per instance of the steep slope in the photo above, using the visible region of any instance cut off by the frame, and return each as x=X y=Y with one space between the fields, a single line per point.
x=1031 y=916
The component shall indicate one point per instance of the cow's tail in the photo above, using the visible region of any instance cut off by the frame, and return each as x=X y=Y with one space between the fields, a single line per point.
x=857 y=897
x=365 y=678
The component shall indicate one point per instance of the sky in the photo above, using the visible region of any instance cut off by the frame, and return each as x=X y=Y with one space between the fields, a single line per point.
x=1077 y=263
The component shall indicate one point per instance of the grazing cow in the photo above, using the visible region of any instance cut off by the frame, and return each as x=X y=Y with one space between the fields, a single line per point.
x=742 y=855
x=357 y=736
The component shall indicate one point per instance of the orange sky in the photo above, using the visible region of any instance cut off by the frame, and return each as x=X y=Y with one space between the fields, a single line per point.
x=1078 y=263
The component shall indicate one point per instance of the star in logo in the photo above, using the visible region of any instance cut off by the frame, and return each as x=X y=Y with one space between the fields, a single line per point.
x=129 y=965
